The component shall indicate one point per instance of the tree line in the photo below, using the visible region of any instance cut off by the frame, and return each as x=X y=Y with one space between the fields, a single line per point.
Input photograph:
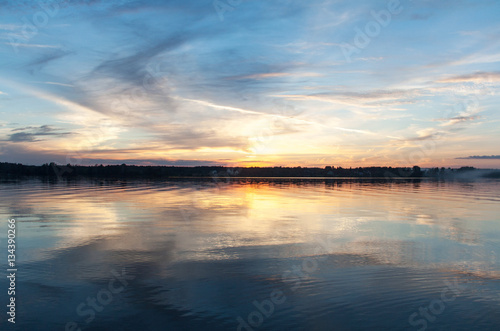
x=135 y=171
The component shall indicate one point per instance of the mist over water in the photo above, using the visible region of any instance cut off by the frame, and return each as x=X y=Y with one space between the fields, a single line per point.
x=255 y=254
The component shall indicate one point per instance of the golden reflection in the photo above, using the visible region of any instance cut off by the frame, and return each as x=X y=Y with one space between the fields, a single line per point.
x=391 y=223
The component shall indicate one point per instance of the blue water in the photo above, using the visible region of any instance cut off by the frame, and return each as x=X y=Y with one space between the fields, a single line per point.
x=253 y=255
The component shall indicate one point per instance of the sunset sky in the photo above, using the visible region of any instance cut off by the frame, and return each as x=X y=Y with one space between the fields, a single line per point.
x=251 y=83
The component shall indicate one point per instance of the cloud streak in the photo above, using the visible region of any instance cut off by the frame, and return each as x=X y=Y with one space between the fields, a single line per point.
x=457 y=120
x=480 y=157
x=477 y=77
x=31 y=134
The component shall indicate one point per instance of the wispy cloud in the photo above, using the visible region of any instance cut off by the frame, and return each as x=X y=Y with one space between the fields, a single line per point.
x=247 y=111
x=10 y=27
x=32 y=45
x=369 y=99
x=426 y=134
x=480 y=157
x=477 y=58
x=47 y=58
x=59 y=84
x=275 y=75
x=477 y=77
x=30 y=134
x=457 y=119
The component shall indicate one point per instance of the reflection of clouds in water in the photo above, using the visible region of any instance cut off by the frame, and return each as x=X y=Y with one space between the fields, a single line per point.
x=425 y=219
x=238 y=240
x=201 y=217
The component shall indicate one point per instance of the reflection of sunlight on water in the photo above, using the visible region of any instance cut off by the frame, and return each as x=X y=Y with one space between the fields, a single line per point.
x=87 y=217
x=425 y=219
x=207 y=250
x=390 y=222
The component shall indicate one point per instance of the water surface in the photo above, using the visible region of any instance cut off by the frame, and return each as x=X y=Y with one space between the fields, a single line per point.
x=254 y=254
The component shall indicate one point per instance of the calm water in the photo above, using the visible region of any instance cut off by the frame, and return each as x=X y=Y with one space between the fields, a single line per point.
x=254 y=255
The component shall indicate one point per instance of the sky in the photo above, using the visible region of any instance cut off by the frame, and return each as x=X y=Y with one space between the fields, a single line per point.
x=251 y=83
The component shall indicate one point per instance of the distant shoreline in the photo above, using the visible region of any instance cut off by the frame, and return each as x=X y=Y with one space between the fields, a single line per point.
x=219 y=173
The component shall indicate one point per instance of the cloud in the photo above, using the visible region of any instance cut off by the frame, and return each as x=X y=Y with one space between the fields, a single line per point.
x=28 y=5
x=369 y=99
x=30 y=134
x=430 y=136
x=258 y=76
x=22 y=137
x=190 y=139
x=137 y=84
x=373 y=58
x=477 y=58
x=241 y=110
x=132 y=68
x=47 y=58
x=33 y=45
x=426 y=134
x=10 y=27
x=457 y=119
x=59 y=84
x=480 y=157
x=477 y=77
